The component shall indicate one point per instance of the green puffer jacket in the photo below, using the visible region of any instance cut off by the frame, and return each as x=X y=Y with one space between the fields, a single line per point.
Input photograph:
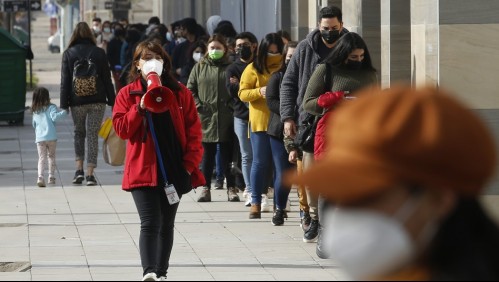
x=214 y=104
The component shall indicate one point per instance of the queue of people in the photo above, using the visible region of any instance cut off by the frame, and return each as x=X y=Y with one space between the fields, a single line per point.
x=259 y=110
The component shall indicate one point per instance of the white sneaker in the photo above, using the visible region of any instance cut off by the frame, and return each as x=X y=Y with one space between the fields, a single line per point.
x=265 y=204
x=270 y=193
x=40 y=182
x=162 y=278
x=150 y=277
x=246 y=193
x=247 y=203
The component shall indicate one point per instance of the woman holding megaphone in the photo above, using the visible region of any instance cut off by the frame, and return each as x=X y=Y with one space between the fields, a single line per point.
x=158 y=116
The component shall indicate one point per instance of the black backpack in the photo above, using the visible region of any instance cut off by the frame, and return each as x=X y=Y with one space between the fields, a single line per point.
x=85 y=77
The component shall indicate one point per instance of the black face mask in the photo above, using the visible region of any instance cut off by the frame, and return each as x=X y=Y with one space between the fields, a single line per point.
x=330 y=36
x=244 y=52
x=353 y=65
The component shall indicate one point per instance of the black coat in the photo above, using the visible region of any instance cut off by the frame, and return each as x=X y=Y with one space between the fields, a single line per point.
x=276 y=127
x=105 y=90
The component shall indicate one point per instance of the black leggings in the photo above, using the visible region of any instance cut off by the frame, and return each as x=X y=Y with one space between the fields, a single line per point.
x=157 y=220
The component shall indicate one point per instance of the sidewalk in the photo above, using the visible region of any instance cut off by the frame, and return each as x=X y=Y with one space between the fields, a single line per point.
x=69 y=232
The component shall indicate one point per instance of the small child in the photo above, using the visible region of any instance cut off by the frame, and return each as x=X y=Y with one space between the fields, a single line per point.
x=45 y=115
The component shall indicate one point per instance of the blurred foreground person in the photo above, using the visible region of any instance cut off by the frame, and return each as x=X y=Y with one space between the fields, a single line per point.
x=410 y=164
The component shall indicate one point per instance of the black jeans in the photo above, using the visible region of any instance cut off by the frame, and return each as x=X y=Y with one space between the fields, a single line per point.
x=157 y=220
x=210 y=151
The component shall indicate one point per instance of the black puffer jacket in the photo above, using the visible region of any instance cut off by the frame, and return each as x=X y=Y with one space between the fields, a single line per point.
x=105 y=90
x=276 y=127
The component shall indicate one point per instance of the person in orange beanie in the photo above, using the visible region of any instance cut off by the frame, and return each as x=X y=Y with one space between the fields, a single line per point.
x=406 y=167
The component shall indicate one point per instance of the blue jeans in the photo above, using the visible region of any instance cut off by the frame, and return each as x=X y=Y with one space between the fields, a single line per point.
x=268 y=150
x=281 y=164
x=241 y=130
x=219 y=169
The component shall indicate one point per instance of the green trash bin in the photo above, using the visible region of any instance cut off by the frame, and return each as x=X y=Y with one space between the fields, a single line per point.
x=12 y=79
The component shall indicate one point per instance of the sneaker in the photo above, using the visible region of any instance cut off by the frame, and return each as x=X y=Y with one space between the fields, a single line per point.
x=232 y=195
x=246 y=193
x=79 y=177
x=52 y=180
x=305 y=221
x=219 y=184
x=91 y=181
x=205 y=195
x=312 y=233
x=150 y=277
x=162 y=278
x=248 y=200
x=319 y=249
x=265 y=204
x=40 y=182
x=270 y=193
x=278 y=218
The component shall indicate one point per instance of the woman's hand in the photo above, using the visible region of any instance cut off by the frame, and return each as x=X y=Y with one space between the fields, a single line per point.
x=263 y=91
x=142 y=105
x=293 y=157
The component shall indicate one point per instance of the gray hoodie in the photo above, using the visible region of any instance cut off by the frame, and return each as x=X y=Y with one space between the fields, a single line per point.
x=295 y=81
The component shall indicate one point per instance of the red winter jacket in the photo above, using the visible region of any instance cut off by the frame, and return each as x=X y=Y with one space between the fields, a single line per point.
x=141 y=165
x=326 y=101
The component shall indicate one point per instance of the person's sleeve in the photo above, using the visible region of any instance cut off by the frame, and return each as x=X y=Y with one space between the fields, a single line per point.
x=315 y=88
x=66 y=82
x=55 y=115
x=273 y=93
x=127 y=119
x=248 y=91
x=233 y=88
x=192 y=85
x=194 y=149
x=289 y=88
x=106 y=79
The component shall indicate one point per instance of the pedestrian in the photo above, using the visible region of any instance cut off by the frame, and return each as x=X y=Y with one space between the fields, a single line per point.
x=253 y=90
x=246 y=48
x=87 y=107
x=275 y=131
x=45 y=115
x=105 y=36
x=309 y=53
x=406 y=167
x=178 y=133
x=207 y=83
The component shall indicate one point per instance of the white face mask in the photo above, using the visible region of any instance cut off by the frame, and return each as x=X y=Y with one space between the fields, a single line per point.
x=152 y=65
x=181 y=40
x=197 y=57
x=370 y=244
x=169 y=36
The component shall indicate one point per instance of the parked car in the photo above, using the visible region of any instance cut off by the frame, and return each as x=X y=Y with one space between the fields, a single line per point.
x=54 y=42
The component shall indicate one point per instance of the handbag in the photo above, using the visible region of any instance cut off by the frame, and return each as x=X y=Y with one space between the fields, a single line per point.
x=114 y=149
x=105 y=128
x=305 y=136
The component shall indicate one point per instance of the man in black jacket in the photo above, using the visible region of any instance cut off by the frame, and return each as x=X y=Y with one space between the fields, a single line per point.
x=246 y=46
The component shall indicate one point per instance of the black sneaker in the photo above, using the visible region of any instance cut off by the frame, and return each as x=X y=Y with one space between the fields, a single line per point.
x=91 y=181
x=321 y=253
x=305 y=221
x=278 y=218
x=79 y=177
x=312 y=233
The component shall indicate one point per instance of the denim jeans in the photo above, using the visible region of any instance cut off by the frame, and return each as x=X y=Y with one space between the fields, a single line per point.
x=267 y=150
x=210 y=151
x=241 y=130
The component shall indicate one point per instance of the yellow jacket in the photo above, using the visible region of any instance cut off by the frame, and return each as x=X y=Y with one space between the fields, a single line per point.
x=249 y=91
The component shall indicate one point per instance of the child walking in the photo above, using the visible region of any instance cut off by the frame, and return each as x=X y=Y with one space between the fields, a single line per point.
x=45 y=115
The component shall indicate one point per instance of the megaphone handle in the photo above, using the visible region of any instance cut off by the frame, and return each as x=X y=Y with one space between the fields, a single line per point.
x=156 y=146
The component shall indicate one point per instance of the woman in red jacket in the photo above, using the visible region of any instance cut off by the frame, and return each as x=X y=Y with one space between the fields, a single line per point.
x=178 y=132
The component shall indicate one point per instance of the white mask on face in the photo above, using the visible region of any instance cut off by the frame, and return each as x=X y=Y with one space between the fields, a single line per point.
x=197 y=57
x=152 y=65
x=370 y=244
x=181 y=40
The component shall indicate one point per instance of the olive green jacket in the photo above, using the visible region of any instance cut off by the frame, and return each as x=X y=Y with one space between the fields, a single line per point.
x=214 y=104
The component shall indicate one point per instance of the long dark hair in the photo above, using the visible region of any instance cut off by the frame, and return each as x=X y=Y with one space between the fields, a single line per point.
x=82 y=32
x=291 y=44
x=261 y=60
x=166 y=77
x=346 y=45
x=41 y=100
x=466 y=246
